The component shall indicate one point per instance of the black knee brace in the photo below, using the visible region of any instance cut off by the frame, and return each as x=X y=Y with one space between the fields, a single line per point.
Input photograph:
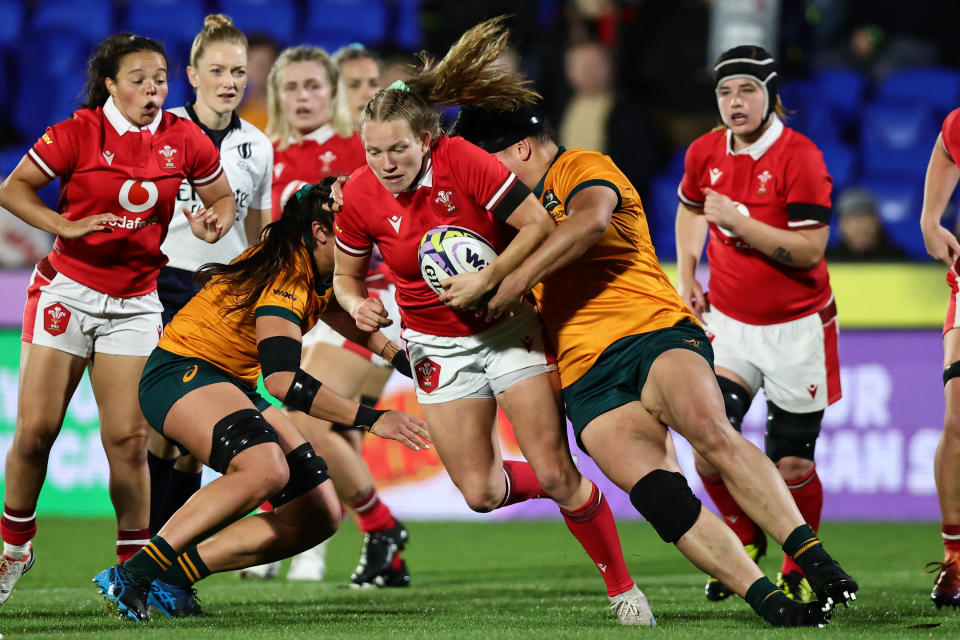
x=791 y=434
x=664 y=498
x=238 y=431
x=736 y=400
x=307 y=470
x=952 y=371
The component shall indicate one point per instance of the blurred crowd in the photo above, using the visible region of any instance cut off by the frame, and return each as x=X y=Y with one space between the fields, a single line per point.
x=631 y=78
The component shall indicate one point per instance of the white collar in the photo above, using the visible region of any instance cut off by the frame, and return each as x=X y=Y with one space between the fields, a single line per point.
x=120 y=122
x=319 y=135
x=763 y=143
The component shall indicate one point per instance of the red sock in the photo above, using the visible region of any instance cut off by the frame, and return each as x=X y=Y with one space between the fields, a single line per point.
x=522 y=483
x=18 y=526
x=729 y=510
x=593 y=526
x=129 y=541
x=951 y=536
x=373 y=515
x=807 y=492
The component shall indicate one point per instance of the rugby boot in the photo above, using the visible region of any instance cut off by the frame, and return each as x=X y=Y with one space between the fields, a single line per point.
x=716 y=590
x=946 y=588
x=124 y=590
x=10 y=571
x=379 y=549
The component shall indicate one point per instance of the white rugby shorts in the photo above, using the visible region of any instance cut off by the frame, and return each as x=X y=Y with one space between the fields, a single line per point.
x=479 y=366
x=795 y=362
x=66 y=315
x=325 y=334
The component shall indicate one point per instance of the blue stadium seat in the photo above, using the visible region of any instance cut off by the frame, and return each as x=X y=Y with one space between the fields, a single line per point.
x=898 y=205
x=841 y=164
x=661 y=214
x=64 y=58
x=173 y=22
x=92 y=20
x=334 y=23
x=275 y=18
x=896 y=139
x=11 y=22
x=936 y=87
x=408 y=31
x=842 y=89
x=906 y=235
x=820 y=124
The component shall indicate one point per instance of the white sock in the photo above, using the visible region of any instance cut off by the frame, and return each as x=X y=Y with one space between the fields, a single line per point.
x=16 y=551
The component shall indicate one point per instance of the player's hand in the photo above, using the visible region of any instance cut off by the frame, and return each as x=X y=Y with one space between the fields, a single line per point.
x=331 y=192
x=465 y=290
x=410 y=431
x=70 y=229
x=204 y=224
x=693 y=295
x=507 y=297
x=371 y=315
x=941 y=244
x=720 y=210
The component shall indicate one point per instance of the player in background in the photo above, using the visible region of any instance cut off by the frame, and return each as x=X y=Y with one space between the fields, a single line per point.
x=942 y=176
x=762 y=193
x=218 y=73
x=465 y=364
x=92 y=303
x=304 y=88
x=199 y=389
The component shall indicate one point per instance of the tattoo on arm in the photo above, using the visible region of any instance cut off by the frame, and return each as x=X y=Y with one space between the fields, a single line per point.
x=782 y=255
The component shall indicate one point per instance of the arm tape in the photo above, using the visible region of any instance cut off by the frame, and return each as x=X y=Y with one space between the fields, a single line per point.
x=302 y=391
x=278 y=353
x=366 y=416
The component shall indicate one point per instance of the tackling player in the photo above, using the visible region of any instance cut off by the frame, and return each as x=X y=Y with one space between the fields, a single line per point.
x=465 y=364
x=199 y=390
x=763 y=192
x=92 y=302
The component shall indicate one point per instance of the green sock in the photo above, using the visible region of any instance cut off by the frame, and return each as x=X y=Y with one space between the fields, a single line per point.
x=805 y=547
x=186 y=569
x=760 y=594
x=153 y=559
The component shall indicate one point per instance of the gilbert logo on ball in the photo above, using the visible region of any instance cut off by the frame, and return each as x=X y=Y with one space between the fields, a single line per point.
x=447 y=251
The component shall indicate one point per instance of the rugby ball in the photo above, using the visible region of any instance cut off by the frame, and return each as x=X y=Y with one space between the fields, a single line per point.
x=447 y=250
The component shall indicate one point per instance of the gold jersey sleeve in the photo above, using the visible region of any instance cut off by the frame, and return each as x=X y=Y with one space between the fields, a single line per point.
x=203 y=328
x=614 y=290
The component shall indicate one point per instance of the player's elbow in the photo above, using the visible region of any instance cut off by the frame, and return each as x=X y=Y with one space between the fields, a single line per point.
x=278 y=383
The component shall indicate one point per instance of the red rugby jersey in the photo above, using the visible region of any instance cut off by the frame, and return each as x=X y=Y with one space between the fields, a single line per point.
x=462 y=185
x=107 y=165
x=322 y=153
x=780 y=180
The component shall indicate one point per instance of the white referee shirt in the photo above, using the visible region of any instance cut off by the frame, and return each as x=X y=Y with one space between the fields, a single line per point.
x=247 y=158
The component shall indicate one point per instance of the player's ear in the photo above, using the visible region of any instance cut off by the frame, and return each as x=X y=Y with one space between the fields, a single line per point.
x=318 y=232
x=524 y=149
x=425 y=140
x=192 y=77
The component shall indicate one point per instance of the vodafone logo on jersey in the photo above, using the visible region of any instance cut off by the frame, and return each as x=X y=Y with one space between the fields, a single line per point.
x=137 y=196
x=55 y=319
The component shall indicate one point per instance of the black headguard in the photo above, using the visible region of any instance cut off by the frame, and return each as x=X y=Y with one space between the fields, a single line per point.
x=494 y=130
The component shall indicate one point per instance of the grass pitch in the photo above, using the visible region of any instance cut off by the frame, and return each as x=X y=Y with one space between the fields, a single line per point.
x=481 y=580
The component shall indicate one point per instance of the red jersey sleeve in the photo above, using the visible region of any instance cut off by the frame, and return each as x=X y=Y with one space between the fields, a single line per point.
x=950 y=135
x=203 y=159
x=349 y=225
x=485 y=178
x=690 y=192
x=57 y=151
x=807 y=187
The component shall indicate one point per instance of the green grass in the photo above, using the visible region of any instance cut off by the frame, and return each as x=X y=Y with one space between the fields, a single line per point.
x=481 y=580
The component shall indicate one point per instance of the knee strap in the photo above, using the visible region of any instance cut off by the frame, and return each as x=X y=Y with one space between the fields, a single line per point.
x=952 y=371
x=664 y=498
x=736 y=400
x=238 y=431
x=307 y=470
x=791 y=434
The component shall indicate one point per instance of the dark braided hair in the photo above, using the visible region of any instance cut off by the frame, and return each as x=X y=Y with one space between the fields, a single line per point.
x=105 y=62
x=279 y=251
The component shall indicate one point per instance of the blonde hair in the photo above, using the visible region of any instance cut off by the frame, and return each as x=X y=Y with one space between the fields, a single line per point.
x=465 y=75
x=342 y=120
x=278 y=129
x=217 y=27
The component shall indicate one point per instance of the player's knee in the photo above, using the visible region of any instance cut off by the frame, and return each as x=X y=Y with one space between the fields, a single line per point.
x=305 y=471
x=664 y=498
x=791 y=434
x=482 y=499
x=559 y=484
x=792 y=468
x=33 y=443
x=736 y=400
x=129 y=449
x=715 y=439
x=236 y=433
